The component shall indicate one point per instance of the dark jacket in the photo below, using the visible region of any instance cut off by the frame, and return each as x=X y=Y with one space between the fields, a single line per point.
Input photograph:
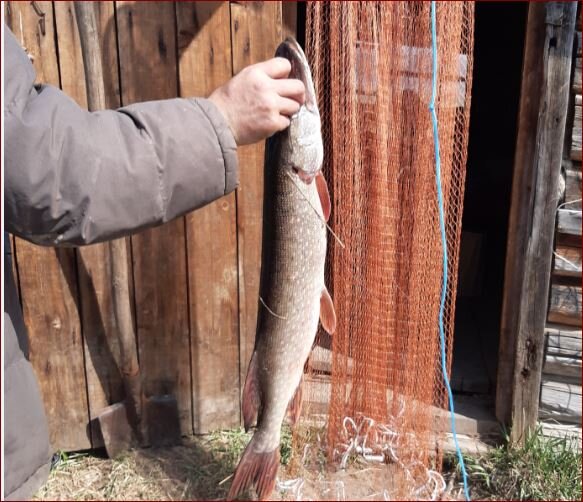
x=73 y=178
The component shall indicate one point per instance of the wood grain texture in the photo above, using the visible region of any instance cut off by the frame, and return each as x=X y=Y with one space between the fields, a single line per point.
x=560 y=400
x=521 y=202
x=48 y=278
x=205 y=63
x=563 y=341
x=567 y=261
x=255 y=34
x=566 y=367
x=148 y=70
x=565 y=305
x=569 y=221
x=559 y=27
x=289 y=19
x=26 y=26
x=576 y=132
x=573 y=186
x=577 y=76
x=104 y=385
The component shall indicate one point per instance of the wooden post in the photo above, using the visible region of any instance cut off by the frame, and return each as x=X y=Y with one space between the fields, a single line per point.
x=543 y=113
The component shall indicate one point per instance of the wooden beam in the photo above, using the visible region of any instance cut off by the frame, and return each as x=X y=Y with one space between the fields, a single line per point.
x=550 y=131
x=521 y=202
x=541 y=177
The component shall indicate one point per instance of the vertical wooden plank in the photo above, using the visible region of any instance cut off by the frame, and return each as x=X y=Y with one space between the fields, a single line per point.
x=289 y=19
x=205 y=63
x=559 y=28
x=255 y=34
x=104 y=385
x=521 y=204
x=48 y=279
x=148 y=68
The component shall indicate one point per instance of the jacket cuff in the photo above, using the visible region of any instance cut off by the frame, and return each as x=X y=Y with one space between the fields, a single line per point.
x=226 y=141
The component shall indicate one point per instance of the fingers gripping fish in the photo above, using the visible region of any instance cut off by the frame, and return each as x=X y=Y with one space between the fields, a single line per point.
x=292 y=290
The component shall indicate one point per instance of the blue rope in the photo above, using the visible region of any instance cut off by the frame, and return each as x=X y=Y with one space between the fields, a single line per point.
x=444 y=246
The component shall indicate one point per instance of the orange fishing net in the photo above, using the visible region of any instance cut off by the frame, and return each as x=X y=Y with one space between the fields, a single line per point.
x=372 y=68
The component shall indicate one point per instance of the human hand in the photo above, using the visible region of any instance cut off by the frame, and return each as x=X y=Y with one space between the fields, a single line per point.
x=258 y=101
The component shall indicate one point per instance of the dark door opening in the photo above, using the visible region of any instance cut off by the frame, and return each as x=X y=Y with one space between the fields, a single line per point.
x=498 y=52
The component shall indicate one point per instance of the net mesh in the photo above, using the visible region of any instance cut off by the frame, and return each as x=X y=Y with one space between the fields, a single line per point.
x=372 y=68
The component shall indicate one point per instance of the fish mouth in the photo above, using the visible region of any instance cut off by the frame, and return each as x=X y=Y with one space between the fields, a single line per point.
x=300 y=69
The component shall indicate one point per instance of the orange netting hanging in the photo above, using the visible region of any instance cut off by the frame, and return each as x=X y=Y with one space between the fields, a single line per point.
x=372 y=69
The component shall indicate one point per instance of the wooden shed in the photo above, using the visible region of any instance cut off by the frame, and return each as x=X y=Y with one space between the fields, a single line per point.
x=518 y=328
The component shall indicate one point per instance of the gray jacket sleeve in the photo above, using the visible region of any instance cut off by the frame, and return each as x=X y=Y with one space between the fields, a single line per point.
x=75 y=177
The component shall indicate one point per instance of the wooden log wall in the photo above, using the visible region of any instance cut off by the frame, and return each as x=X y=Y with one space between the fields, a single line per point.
x=560 y=397
x=195 y=280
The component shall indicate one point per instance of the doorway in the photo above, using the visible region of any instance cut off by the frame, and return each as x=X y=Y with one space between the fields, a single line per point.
x=498 y=53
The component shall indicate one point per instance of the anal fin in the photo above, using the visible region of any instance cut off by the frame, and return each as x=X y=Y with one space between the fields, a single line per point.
x=294 y=409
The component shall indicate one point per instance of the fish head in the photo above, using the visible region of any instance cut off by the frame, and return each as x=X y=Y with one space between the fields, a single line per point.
x=301 y=149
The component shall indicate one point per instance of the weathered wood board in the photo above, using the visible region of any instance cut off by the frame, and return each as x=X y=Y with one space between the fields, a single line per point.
x=520 y=209
x=569 y=222
x=567 y=261
x=563 y=341
x=48 y=277
x=573 y=187
x=545 y=144
x=560 y=400
x=565 y=305
x=148 y=71
x=104 y=384
x=568 y=368
x=576 y=132
x=186 y=273
x=577 y=76
x=255 y=34
x=204 y=64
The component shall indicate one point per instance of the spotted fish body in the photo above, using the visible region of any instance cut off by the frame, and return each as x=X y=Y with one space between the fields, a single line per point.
x=293 y=295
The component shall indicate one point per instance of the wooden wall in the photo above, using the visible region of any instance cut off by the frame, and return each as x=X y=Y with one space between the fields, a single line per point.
x=196 y=279
x=560 y=397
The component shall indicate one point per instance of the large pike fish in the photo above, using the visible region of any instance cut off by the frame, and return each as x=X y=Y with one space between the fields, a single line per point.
x=292 y=292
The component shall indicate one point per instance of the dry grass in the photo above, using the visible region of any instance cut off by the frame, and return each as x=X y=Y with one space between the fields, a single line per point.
x=201 y=468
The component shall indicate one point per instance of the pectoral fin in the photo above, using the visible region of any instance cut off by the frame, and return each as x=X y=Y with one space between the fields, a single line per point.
x=327 y=313
x=322 y=187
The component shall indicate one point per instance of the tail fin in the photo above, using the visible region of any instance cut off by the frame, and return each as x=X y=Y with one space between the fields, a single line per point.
x=255 y=468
